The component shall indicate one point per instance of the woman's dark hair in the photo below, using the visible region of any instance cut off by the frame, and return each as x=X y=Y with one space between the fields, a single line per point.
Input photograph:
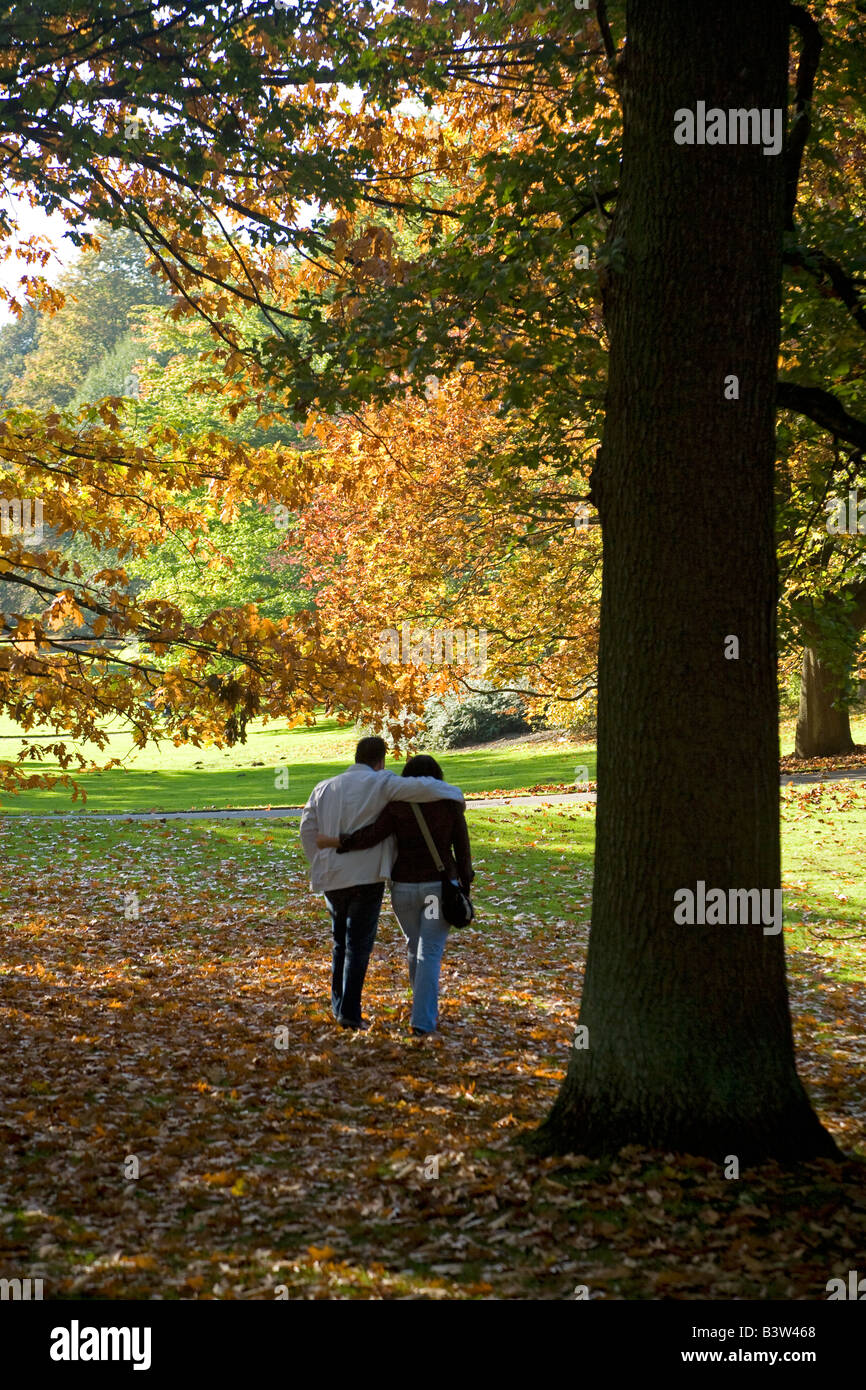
x=422 y=765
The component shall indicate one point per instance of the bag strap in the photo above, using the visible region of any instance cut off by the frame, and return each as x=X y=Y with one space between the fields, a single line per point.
x=425 y=831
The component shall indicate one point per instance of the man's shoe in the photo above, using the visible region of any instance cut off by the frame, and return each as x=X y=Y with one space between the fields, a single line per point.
x=350 y=1023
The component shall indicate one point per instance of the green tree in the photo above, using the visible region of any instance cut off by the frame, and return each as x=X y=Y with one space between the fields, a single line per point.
x=177 y=383
x=17 y=341
x=100 y=289
x=243 y=567
x=114 y=374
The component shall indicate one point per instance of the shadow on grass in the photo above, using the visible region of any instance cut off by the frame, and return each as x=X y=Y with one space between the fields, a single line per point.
x=221 y=789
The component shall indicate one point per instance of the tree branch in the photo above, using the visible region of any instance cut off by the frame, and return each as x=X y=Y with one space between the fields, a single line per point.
x=810 y=53
x=824 y=268
x=597 y=204
x=606 y=35
x=822 y=407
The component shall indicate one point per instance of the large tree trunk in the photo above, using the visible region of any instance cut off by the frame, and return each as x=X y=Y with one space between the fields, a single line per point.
x=689 y=1033
x=823 y=726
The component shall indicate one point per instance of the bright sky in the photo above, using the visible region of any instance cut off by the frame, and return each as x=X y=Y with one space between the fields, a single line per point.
x=34 y=222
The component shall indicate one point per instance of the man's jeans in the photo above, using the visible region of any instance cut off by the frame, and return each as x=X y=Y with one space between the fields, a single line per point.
x=418 y=908
x=354 y=919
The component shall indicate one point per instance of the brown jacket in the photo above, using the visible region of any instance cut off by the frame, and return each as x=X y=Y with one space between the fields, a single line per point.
x=414 y=864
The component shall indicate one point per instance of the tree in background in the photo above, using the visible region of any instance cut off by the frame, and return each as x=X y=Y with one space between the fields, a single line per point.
x=17 y=341
x=419 y=536
x=823 y=611
x=176 y=385
x=821 y=459
x=99 y=291
x=162 y=542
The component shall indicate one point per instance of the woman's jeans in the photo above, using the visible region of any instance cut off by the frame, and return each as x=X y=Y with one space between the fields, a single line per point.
x=418 y=908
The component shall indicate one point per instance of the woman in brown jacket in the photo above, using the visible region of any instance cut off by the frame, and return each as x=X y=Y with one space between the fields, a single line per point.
x=416 y=887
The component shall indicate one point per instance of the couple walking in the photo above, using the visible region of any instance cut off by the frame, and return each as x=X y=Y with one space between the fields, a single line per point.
x=358 y=829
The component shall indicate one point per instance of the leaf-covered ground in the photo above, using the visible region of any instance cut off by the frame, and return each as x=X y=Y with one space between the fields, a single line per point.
x=830 y=763
x=281 y=1156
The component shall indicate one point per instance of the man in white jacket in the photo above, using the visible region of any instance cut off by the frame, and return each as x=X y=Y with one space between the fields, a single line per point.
x=353 y=884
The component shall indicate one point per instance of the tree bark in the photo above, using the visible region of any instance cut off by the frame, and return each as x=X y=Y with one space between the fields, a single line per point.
x=823 y=725
x=689 y=1032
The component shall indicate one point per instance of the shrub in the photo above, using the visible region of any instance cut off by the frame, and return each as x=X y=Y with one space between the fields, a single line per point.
x=477 y=718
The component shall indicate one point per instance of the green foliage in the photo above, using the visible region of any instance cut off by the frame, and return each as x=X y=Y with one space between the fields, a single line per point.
x=249 y=572
x=478 y=718
x=101 y=288
x=178 y=383
x=114 y=338
x=114 y=374
x=17 y=341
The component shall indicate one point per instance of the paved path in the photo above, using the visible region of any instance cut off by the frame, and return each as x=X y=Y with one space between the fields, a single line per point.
x=287 y=812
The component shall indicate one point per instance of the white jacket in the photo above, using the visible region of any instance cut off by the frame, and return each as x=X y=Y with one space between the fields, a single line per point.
x=349 y=801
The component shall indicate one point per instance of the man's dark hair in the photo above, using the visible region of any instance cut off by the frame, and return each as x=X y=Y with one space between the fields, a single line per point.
x=371 y=751
x=422 y=765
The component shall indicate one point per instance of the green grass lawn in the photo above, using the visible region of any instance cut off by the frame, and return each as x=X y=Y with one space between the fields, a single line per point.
x=534 y=866
x=279 y=766
x=788 y=729
x=255 y=773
